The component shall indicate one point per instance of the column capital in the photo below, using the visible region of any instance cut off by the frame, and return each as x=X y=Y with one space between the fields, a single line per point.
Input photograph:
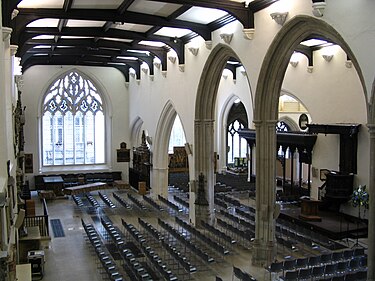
x=7 y=31
x=13 y=49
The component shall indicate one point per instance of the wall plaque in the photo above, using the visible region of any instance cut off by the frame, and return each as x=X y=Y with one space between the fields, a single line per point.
x=123 y=154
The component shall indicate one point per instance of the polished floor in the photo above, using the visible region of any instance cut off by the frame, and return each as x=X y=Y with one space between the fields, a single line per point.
x=72 y=258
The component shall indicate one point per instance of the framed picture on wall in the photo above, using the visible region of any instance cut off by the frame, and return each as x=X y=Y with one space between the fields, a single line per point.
x=29 y=163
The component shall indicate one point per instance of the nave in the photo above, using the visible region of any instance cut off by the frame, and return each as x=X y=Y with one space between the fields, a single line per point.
x=152 y=230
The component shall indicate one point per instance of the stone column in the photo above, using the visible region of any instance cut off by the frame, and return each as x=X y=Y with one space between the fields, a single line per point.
x=159 y=184
x=204 y=165
x=371 y=214
x=264 y=250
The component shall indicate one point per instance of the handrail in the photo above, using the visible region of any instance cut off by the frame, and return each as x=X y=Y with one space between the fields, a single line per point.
x=41 y=221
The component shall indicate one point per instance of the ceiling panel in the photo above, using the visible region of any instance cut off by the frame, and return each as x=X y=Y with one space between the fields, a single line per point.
x=202 y=15
x=117 y=39
x=153 y=8
x=44 y=37
x=52 y=4
x=132 y=27
x=44 y=23
x=173 y=32
x=85 y=23
x=96 y=4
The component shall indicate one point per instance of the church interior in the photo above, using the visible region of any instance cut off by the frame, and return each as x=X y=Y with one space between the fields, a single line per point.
x=187 y=140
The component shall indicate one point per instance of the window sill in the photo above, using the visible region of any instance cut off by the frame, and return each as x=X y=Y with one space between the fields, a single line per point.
x=74 y=169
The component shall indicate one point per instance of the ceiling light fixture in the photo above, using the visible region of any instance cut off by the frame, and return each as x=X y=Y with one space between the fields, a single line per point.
x=227 y=37
x=280 y=18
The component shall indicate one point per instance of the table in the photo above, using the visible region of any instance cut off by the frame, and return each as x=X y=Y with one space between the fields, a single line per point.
x=309 y=210
x=55 y=183
x=85 y=188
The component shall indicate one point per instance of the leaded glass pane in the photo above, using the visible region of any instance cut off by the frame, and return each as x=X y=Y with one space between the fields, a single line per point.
x=73 y=123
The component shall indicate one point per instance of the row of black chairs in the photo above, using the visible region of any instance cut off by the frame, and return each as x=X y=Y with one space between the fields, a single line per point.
x=240 y=221
x=221 y=203
x=186 y=242
x=92 y=200
x=105 y=258
x=137 y=202
x=246 y=214
x=295 y=238
x=220 y=234
x=351 y=260
x=212 y=243
x=181 y=201
x=78 y=201
x=154 y=258
x=121 y=200
x=135 y=269
x=243 y=234
x=172 y=250
x=106 y=200
x=228 y=199
x=327 y=272
x=152 y=202
x=170 y=204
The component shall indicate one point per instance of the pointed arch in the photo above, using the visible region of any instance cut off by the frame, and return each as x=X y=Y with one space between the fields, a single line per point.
x=160 y=149
x=136 y=131
x=266 y=114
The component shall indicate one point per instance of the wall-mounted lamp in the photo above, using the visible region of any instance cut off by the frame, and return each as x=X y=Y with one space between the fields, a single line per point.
x=172 y=59
x=280 y=18
x=227 y=37
x=194 y=50
x=327 y=58
x=318 y=8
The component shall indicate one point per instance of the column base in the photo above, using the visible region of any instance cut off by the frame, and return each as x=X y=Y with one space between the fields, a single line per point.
x=263 y=253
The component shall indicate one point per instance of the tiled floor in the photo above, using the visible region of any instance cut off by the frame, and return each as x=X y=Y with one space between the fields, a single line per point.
x=71 y=257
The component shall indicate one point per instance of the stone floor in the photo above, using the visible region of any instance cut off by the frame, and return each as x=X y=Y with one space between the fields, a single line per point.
x=72 y=258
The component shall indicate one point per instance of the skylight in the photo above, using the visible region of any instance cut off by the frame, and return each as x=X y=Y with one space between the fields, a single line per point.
x=44 y=23
x=43 y=37
x=127 y=58
x=41 y=4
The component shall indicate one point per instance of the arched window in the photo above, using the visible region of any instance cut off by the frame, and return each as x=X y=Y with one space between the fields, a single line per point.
x=73 y=123
x=177 y=135
x=237 y=146
x=281 y=126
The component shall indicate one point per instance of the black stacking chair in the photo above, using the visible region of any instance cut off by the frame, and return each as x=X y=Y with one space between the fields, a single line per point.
x=218 y=279
x=363 y=262
x=304 y=274
x=330 y=270
x=342 y=267
x=358 y=252
x=338 y=278
x=302 y=263
x=317 y=272
x=237 y=272
x=289 y=265
x=290 y=276
x=353 y=265
x=326 y=258
x=348 y=254
x=275 y=267
x=337 y=256
x=314 y=261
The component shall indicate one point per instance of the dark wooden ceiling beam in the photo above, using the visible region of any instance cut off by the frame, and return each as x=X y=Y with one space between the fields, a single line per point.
x=67 y=5
x=7 y=7
x=28 y=15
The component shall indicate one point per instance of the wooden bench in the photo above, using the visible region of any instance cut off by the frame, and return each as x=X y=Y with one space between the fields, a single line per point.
x=85 y=188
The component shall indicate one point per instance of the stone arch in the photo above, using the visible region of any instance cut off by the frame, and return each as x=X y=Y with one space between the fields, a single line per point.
x=160 y=150
x=290 y=122
x=136 y=131
x=265 y=115
x=222 y=127
x=204 y=142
